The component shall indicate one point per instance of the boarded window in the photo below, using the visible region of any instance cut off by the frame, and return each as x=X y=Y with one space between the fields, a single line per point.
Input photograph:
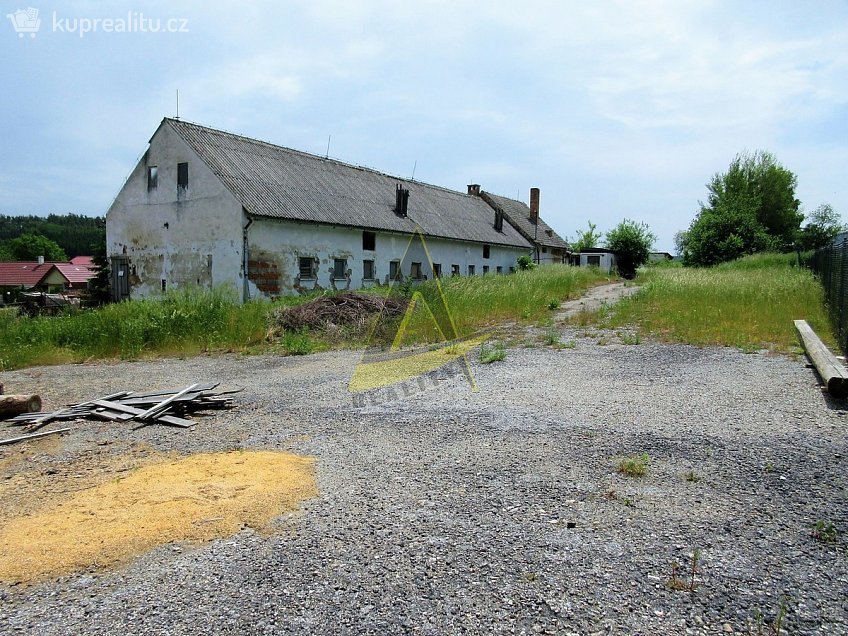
x=437 y=270
x=415 y=271
x=152 y=178
x=368 y=270
x=454 y=270
x=486 y=250
x=471 y=270
x=339 y=267
x=369 y=241
x=594 y=259
x=182 y=175
x=307 y=267
x=394 y=270
x=485 y=269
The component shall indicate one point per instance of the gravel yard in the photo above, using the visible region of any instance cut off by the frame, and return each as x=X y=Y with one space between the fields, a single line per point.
x=496 y=511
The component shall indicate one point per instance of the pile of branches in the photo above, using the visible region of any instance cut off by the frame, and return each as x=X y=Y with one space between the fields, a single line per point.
x=347 y=309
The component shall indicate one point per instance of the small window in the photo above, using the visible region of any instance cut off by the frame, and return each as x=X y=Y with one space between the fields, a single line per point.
x=511 y=270
x=415 y=271
x=182 y=175
x=544 y=250
x=437 y=270
x=394 y=270
x=307 y=267
x=164 y=285
x=499 y=269
x=486 y=249
x=454 y=270
x=368 y=270
x=152 y=178
x=369 y=241
x=471 y=270
x=485 y=269
x=339 y=268
x=593 y=260
x=549 y=232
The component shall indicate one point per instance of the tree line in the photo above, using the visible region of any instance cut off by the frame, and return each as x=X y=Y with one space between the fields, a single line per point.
x=57 y=237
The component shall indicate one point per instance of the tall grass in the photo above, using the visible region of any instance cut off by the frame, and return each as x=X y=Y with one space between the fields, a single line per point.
x=182 y=322
x=749 y=304
x=475 y=302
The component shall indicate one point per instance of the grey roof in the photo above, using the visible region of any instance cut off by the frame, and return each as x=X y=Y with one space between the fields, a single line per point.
x=278 y=182
x=518 y=214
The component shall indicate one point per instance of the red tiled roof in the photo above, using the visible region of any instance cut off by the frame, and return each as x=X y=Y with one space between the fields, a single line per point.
x=85 y=261
x=25 y=273
x=76 y=273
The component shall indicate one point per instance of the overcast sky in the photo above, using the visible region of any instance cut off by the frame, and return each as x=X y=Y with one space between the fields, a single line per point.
x=614 y=109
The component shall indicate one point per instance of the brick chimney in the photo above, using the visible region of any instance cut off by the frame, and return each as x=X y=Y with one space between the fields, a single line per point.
x=474 y=189
x=534 y=205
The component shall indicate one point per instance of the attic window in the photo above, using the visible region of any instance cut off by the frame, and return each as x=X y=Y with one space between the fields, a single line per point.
x=152 y=178
x=182 y=175
x=549 y=232
x=401 y=201
x=369 y=241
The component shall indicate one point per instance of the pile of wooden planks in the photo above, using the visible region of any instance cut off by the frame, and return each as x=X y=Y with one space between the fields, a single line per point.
x=161 y=407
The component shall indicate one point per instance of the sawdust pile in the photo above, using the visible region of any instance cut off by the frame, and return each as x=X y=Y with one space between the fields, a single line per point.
x=347 y=309
x=197 y=498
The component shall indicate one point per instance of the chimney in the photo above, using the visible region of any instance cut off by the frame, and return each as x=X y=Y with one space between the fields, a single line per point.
x=534 y=205
x=474 y=189
x=41 y=260
x=401 y=201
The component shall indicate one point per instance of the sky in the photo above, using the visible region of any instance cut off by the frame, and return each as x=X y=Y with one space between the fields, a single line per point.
x=613 y=109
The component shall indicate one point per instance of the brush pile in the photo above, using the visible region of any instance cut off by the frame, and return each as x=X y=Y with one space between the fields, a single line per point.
x=347 y=309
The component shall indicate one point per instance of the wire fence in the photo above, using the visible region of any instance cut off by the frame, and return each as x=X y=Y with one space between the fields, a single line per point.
x=831 y=266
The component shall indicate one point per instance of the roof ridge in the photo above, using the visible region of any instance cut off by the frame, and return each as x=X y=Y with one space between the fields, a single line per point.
x=310 y=155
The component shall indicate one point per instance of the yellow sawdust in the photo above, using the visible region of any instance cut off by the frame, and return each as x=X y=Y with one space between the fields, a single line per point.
x=197 y=498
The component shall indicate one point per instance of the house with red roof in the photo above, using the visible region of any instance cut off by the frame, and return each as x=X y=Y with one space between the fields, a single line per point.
x=69 y=278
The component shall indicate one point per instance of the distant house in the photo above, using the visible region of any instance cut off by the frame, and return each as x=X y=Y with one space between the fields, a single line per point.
x=658 y=257
x=205 y=207
x=599 y=257
x=17 y=276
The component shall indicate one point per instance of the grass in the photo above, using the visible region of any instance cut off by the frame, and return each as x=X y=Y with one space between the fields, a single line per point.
x=824 y=531
x=749 y=304
x=495 y=352
x=635 y=465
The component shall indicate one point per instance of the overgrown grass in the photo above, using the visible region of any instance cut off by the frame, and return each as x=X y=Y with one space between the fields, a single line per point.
x=749 y=304
x=183 y=322
x=476 y=302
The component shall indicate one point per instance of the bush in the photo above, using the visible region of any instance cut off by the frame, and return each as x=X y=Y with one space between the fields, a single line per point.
x=632 y=243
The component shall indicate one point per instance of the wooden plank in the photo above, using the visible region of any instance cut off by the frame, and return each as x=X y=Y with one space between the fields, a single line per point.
x=133 y=412
x=832 y=372
x=48 y=417
x=23 y=438
x=164 y=394
x=153 y=410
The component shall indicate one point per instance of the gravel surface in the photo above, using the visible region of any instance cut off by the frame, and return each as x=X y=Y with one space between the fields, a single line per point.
x=497 y=511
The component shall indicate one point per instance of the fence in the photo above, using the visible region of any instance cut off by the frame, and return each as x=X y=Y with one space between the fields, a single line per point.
x=831 y=265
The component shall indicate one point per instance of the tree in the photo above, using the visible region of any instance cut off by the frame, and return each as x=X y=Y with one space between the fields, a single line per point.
x=632 y=243
x=29 y=247
x=585 y=239
x=823 y=224
x=750 y=208
x=681 y=240
x=525 y=262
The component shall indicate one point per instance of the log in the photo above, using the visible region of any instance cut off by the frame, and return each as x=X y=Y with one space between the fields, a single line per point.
x=17 y=404
x=832 y=372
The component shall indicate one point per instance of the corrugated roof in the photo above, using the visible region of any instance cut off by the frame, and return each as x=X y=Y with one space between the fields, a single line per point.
x=279 y=182
x=23 y=273
x=518 y=215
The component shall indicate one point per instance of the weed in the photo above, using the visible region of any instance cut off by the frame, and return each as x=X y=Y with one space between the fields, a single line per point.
x=769 y=467
x=675 y=582
x=552 y=336
x=612 y=495
x=297 y=343
x=603 y=341
x=824 y=531
x=568 y=344
x=553 y=304
x=635 y=465
x=494 y=353
x=773 y=628
x=630 y=338
x=692 y=476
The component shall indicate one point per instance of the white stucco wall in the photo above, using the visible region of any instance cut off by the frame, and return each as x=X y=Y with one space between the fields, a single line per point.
x=275 y=247
x=607 y=260
x=189 y=238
